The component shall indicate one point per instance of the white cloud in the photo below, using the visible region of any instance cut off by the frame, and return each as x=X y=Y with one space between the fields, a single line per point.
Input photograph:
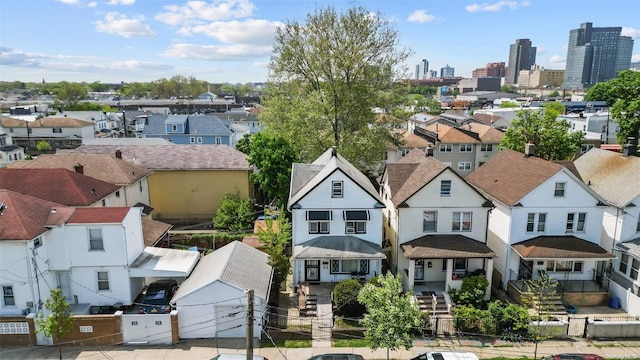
x=565 y=46
x=486 y=7
x=115 y=23
x=635 y=57
x=255 y=32
x=69 y=2
x=421 y=16
x=195 y=12
x=540 y=50
x=121 y=2
x=557 y=59
x=629 y=31
x=216 y=52
x=92 y=4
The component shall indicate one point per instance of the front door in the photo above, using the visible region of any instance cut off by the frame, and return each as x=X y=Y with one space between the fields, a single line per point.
x=312 y=270
x=65 y=284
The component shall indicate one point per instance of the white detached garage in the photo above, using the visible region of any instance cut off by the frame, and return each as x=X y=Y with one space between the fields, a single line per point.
x=212 y=302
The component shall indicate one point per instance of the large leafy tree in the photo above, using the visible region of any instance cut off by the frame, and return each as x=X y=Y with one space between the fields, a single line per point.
x=272 y=156
x=69 y=94
x=58 y=324
x=326 y=76
x=551 y=137
x=392 y=317
x=623 y=95
x=234 y=213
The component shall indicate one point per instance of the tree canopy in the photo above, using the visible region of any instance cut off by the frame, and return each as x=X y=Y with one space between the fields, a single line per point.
x=551 y=137
x=327 y=74
x=275 y=237
x=58 y=323
x=70 y=94
x=272 y=156
x=623 y=95
x=392 y=317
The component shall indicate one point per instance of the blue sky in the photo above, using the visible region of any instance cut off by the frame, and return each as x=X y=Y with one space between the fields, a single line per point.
x=231 y=40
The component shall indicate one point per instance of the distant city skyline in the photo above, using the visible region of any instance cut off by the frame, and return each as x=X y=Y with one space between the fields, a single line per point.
x=231 y=40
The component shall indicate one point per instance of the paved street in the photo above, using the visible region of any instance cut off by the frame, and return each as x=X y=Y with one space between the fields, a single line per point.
x=206 y=349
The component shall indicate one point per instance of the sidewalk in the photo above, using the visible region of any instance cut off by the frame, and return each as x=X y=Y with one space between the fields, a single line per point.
x=206 y=349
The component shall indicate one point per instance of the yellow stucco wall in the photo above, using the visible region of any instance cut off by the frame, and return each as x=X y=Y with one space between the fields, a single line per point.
x=188 y=195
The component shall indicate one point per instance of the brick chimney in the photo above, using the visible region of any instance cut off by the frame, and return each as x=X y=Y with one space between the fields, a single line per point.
x=529 y=149
x=78 y=168
x=118 y=154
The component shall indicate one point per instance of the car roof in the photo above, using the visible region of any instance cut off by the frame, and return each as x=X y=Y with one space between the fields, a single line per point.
x=452 y=355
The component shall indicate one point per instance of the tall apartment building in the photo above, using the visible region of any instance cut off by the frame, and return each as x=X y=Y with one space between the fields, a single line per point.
x=595 y=54
x=447 y=72
x=494 y=69
x=538 y=76
x=422 y=70
x=521 y=57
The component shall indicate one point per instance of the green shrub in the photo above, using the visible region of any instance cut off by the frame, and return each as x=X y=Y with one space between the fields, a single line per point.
x=345 y=296
x=469 y=319
x=472 y=292
x=234 y=213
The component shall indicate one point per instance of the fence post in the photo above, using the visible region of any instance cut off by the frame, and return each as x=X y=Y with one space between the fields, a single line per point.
x=586 y=324
x=436 y=326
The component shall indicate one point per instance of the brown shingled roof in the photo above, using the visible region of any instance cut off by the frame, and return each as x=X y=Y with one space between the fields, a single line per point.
x=406 y=179
x=560 y=247
x=153 y=230
x=24 y=217
x=451 y=135
x=104 y=167
x=445 y=247
x=57 y=185
x=47 y=122
x=98 y=215
x=509 y=175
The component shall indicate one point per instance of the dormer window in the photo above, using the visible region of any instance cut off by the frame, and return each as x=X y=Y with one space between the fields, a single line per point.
x=174 y=127
x=337 y=189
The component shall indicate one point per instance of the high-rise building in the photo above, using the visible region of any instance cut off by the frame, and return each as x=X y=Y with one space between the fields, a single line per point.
x=494 y=69
x=447 y=72
x=521 y=57
x=595 y=55
x=422 y=70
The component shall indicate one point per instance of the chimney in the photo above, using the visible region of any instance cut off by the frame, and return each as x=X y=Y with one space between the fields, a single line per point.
x=78 y=168
x=629 y=148
x=529 y=149
x=334 y=151
x=429 y=151
x=118 y=154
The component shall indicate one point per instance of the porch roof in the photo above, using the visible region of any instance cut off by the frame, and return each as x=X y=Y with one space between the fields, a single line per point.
x=338 y=247
x=632 y=247
x=560 y=247
x=444 y=247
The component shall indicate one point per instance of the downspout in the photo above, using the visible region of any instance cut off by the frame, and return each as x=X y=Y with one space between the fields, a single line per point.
x=33 y=294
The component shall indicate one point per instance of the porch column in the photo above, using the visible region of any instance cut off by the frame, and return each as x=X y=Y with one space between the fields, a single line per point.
x=412 y=272
x=489 y=270
x=449 y=272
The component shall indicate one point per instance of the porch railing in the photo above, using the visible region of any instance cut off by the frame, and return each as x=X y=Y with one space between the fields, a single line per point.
x=600 y=283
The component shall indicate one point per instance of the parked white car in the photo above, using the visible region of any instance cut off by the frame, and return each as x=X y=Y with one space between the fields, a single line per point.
x=447 y=355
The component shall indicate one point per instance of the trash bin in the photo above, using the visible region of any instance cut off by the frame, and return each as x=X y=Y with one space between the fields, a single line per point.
x=614 y=302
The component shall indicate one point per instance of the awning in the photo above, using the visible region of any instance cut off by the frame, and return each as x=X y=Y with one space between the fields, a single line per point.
x=560 y=247
x=163 y=263
x=337 y=247
x=445 y=247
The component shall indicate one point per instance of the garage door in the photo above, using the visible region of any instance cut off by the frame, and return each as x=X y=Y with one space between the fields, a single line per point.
x=230 y=321
x=196 y=322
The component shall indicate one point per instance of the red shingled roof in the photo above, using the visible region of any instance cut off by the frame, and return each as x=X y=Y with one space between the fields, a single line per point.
x=57 y=185
x=98 y=215
x=24 y=217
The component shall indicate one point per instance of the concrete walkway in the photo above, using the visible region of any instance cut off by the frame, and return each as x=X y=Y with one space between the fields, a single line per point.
x=323 y=323
x=205 y=349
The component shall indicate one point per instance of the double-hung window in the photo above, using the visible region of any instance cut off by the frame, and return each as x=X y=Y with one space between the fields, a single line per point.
x=466 y=147
x=429 y=221
x=560 y=188
x=103 y=280
x=446 y=148
x=318 y=221
x=8 y=298
x=355 y=221
x=486 y=147
x=95 y=240
x=464 y=166
x=461 y=221
x=576 y=222
x=536 y=222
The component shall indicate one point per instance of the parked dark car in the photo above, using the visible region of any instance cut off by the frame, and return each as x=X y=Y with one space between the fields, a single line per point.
x=337 y=357
x=156 y=299
x=573 y=357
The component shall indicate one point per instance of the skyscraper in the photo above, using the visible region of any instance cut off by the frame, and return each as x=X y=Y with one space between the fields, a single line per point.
x=422 y=70
x=447 y=72
x=595 y=55
x=521 y=57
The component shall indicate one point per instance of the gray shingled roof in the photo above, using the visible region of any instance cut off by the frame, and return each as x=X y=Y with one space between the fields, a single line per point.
x=305 y=177
x=406 y=179
x=611 y=175
x=175 y=157
x=236 y=264
x=444 y=247
x=196 y=124
x=338 y=247
x=630 y=246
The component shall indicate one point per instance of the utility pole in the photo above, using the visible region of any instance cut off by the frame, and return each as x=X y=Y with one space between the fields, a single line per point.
x=249 y=324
